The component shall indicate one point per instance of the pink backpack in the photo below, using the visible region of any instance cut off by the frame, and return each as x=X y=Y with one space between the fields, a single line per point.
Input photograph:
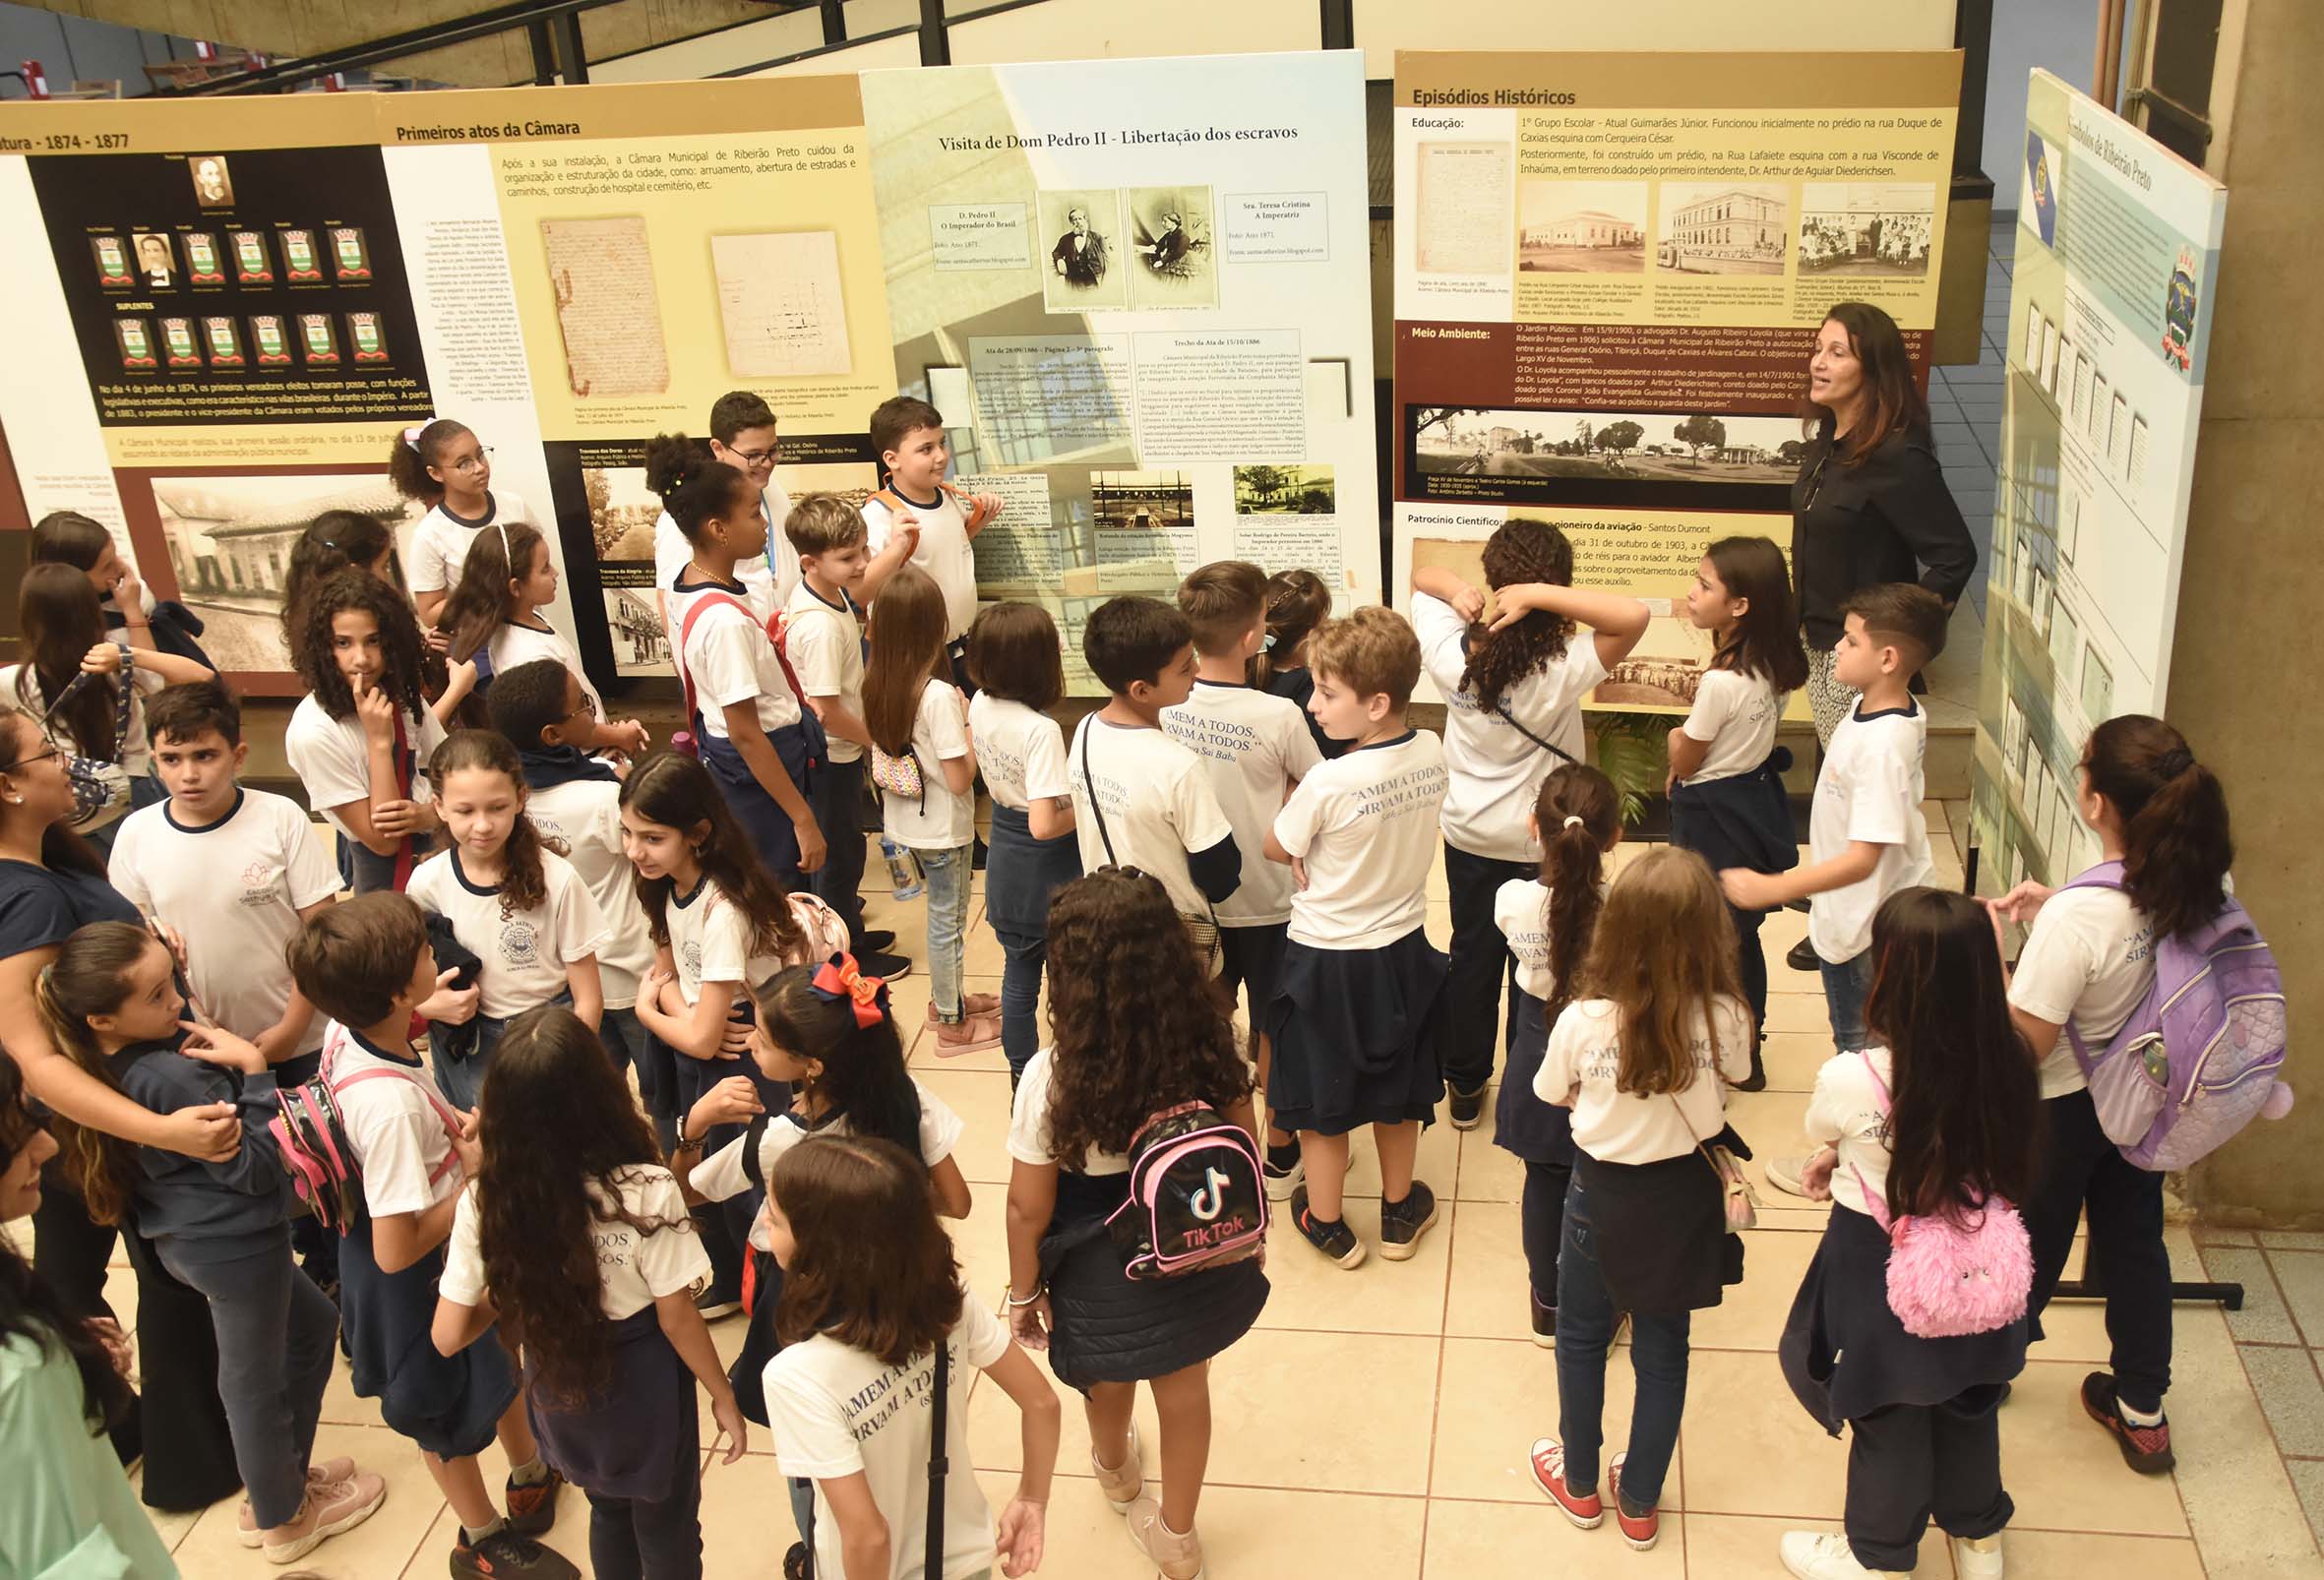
x=313 y=1139
x=1197 y=1200
x=827 y=934
x=1950 y=1276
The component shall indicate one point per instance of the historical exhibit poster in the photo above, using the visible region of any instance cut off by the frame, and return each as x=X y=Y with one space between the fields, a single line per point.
x=2109 y=313
x=1138 y=290
x=1615 y=265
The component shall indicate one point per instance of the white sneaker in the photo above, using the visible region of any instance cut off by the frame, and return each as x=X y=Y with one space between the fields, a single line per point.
x=1979 y=1560
x=1820 y=1555
x=1784 y=1172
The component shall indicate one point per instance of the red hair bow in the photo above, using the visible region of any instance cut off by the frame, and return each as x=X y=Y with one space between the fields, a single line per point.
x=838 y=980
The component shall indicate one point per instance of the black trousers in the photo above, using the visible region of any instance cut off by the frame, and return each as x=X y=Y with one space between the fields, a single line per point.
x=2127 y=1259
x=180 y=1425
x=1481 y=967
x=1908 y=1464
x=838 y=802
x=1542 y=1224
x=633 y=1538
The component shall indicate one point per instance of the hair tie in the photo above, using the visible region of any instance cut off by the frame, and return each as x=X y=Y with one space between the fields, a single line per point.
x=2174 y=763
x=1268 y=644
x=1573 y=821
x=839 y=980
x=411 y=438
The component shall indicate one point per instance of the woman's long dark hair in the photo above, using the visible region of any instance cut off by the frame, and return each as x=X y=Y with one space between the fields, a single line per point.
x=525 y=879
x=1964 y=1122
x=2176 y=844
x=398 y=638
x=334 y=541
x=1521 y=549
x=67 y=538
x=862 y=1082
x=870 y=1265
x=556 y=1118
x=1298 y=602
x=1893 y=402
x=1767 y=639
x=484 y=599
x=678 y=793
x=1136 y=1025
x=1573 y=867
x=28 y=1308
x=59 y=619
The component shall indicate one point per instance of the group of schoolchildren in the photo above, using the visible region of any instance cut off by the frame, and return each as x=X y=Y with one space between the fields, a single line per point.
x=553 y=907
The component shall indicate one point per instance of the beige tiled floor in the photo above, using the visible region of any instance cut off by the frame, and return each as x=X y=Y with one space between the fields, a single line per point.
x=1375 y=1423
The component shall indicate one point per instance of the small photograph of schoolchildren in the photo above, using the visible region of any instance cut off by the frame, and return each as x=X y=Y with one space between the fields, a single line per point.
x=1856 y=228
x=1084 y=270
x=1170 y=236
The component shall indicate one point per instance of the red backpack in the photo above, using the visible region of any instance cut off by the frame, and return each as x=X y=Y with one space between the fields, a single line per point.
x=686 y=741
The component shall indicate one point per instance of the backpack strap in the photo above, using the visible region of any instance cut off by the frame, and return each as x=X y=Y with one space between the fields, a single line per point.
x=974 y=514
x=1551 y=747
x=406 y=768
x=1090 y=728
x=754 y=1137
x=337 y=1085
x=775 y=630
x=1878 y=1207
x=938 y=1463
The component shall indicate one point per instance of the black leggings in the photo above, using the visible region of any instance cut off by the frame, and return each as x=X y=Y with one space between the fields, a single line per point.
x=2127 y=1259
x=1541 y=1222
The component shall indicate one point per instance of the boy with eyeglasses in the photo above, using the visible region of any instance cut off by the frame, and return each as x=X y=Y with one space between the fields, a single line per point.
x=742 y=435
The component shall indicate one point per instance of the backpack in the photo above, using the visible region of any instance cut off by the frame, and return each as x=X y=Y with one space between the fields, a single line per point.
x=1949 y=1276
x=686 y=741
x=2201 y=1057
x=826 y=929
x=1196 y=1201
x=313 y=1139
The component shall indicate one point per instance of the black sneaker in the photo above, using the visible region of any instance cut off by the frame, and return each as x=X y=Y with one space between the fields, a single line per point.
x=1545 y=1322
x=505 y=1553
x=714 y=1304
x=2145 y=1449
x=1756 y=1080
x=976 y=856
x=1802 y=957
x=1468 y=1107
x=887 y=967
x=532 y=1505
x=1335 y=1239
x=874 y=940
x=1402 y=1223
x=1283 y=1167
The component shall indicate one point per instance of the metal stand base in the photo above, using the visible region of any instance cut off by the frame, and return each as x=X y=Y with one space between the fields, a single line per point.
x=2230 y=1295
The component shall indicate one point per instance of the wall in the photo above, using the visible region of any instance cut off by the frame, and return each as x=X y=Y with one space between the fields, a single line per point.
x=771 y=38
x=2254 y=575
x=1096 y=29
x=1383 y=26
x=2058 y=35
x=70 y=47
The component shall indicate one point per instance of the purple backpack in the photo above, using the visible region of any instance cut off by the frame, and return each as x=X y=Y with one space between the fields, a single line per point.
x=1196 y=1196
x=2202 y=1054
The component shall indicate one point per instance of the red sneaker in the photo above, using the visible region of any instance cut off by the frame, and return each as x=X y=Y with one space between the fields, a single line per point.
x=1641 y=1531
x=2145 y=1449
x=1584 y=1509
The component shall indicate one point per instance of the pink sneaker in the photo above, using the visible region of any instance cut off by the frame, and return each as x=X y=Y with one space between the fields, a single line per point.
x=1641 y=1531
x=966 y=1037
x=1584 y=1509
x=321 y=1472
x=330 y=1509
x=1123 y=1484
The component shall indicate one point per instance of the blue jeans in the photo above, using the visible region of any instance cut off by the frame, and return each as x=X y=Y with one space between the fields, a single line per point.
x=462 y=1080
x=1657 y=1357
x=1846 y=986
x=948 y=879
x=1025 y=954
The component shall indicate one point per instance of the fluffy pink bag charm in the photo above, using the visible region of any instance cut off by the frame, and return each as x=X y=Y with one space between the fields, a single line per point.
x=1948 y=1276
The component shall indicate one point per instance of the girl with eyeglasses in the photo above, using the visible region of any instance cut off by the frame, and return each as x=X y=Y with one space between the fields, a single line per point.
x=446 y=467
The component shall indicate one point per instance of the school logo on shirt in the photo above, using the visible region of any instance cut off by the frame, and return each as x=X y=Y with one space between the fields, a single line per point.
x=258 y=884
x=690 y=957
x=519 y=942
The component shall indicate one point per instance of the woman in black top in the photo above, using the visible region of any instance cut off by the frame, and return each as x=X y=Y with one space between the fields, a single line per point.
x=1870 y=504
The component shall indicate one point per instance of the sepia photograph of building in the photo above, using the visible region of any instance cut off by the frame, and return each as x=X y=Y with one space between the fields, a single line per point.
x=1722 y=228
x=1581 y=228
x=1858 y=228
x=1659 y=446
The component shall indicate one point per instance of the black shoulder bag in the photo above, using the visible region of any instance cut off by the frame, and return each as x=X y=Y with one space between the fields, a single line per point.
x=938 y=1464
x=1201 y=931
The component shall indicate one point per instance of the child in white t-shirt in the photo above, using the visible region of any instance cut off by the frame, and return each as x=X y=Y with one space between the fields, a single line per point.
x=919 y=519
x=1728 y=803
x=1141 y=799
x=742 y=437
x=511 y=899
x=445 y=466
x=1255 y=747
x=570 y=1174
x=366 y=963
x=916 y=717
x=1512 y=712
x=1354 y=1017
x=1015 y=661
x=573 y=797
x=871 y=1290
x=1645 y=1225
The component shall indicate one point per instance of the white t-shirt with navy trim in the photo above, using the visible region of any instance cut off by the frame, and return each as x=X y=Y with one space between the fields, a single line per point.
x=396 y=1135
x=587 y=815
x=1252 y=744
x=722 y=1176
x=1846 y=1112
x=525 y=956
x=1869 y=790
x=635 y=1267
x=768 y=582
x=1363 y=825
x=710 y=941
x=513 y=644
x=1735 y=715
x=333 y=760
x=827 y=648
x=944 y=550
x=1021 y=753
x=730 y=659
x=440 y=544
x=1150 y=798
x=2088 y=959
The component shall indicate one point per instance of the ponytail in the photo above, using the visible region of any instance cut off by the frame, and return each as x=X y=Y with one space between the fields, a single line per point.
x=693 y=485
x=1579 y=812
x=89 y=977
x=1298 y=602
x=2176 y=845
x=413 y=451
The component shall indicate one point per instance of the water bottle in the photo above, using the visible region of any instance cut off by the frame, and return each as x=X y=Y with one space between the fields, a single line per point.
x=903 y=874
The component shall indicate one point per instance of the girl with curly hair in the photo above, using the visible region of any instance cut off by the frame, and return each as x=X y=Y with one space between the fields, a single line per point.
x=359 y=738
x=873 y=1308
x=1136 y=1031
x=571 y=1197
x=1513 y=691
x=512 y=898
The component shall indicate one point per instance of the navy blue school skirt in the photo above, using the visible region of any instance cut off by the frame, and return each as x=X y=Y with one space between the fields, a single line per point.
x=1022 y=873
x=448 y=1405
x=768 y=828
x=1846 y=1355
x=1355 y=1036
x=1522 y=1123
x=632 y=1438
